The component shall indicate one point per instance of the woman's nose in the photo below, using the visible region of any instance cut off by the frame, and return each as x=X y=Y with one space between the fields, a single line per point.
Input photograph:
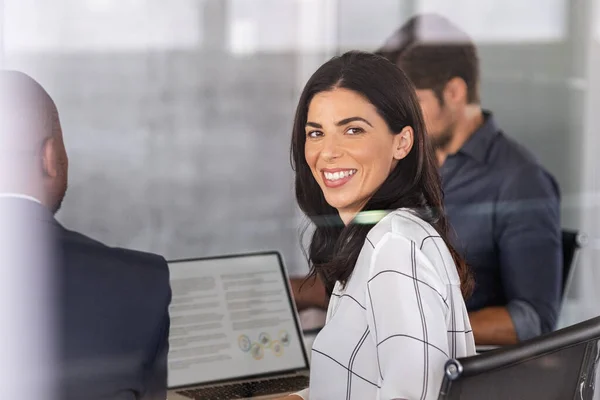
x=331 y=148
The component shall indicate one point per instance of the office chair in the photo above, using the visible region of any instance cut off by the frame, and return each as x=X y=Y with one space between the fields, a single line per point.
x=558 y=366
x=572 y=241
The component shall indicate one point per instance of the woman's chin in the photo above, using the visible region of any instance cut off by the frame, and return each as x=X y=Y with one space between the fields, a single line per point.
x=345 y=209
x=338 y=204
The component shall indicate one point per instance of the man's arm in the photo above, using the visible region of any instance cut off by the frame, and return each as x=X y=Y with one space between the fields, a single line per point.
x=493 y=325
x=155 y=384
x=309 y=293
x=156 y=378
x=530 y=251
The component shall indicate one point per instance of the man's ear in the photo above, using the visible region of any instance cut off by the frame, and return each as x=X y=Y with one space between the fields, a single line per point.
x=49 y=158
x=455 y=91
x=403 y=143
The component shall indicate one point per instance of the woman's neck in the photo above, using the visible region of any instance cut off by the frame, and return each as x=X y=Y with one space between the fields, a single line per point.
x=363 y=217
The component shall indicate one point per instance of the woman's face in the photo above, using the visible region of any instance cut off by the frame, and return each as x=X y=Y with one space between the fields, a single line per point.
x=350 y=149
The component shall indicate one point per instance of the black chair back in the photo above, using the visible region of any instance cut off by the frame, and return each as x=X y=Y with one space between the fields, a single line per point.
x=558 y=366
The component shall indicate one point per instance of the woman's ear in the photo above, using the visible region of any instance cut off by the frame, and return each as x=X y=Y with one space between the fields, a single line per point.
x=403 y=143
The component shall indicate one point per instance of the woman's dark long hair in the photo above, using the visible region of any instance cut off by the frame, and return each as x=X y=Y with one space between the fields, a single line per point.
x=414 y=183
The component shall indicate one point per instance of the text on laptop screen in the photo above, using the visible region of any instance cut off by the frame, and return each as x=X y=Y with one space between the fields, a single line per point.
x=230 y=318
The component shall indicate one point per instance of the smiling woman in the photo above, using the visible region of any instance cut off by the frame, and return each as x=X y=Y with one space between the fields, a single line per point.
x=367 y=178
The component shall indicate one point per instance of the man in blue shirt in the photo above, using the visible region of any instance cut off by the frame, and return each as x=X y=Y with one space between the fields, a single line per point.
x=503 y=206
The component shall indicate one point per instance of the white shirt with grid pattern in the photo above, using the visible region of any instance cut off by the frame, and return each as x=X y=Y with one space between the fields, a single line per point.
x=400 y=317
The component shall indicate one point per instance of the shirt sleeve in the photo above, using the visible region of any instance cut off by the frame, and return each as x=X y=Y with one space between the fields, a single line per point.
x=530 y=250
x=406 y=314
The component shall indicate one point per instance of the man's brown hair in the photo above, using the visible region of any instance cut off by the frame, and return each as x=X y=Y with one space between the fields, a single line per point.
x=432 y=51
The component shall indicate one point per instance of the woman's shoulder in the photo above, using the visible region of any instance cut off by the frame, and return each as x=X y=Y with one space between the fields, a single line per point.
x=402 y=222
x=402 y=233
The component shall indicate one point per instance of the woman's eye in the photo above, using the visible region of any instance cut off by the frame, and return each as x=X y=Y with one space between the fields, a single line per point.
x=355 y=131
x=314 y=134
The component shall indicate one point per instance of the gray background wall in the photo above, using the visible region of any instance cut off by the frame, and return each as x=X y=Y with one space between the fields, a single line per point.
x=182 y=152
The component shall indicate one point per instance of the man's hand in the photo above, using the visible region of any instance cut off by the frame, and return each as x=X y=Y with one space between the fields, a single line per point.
x=309 y=293
x=493 y=326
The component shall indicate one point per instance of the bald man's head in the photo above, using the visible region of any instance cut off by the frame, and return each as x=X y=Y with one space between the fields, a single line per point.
x=31 y=143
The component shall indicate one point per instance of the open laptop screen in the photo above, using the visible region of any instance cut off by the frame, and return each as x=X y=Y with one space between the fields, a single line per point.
x=231 y=317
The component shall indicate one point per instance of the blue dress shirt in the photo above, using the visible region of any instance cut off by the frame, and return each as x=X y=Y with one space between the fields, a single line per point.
x=504 y=209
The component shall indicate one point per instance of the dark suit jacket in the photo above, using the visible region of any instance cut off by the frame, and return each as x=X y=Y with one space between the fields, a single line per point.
x=110 y=323
x=111 y=319
x=115 y=322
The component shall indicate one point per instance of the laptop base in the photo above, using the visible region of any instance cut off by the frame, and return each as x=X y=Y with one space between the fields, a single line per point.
x=267 y=388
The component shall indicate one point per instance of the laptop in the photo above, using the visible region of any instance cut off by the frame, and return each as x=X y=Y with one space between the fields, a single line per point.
x=235 y=332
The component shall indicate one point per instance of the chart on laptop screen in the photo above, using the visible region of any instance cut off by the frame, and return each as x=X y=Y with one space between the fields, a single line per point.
x=230 y=317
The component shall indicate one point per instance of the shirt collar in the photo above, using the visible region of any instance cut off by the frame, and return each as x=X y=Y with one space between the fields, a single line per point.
x=480 y=141
x=28 y=204
x=19 y=196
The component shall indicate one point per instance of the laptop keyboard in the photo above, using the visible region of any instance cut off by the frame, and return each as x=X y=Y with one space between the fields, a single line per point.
x=248 y=389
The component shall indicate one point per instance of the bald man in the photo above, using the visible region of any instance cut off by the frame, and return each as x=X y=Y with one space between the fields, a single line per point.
x=111 y=315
